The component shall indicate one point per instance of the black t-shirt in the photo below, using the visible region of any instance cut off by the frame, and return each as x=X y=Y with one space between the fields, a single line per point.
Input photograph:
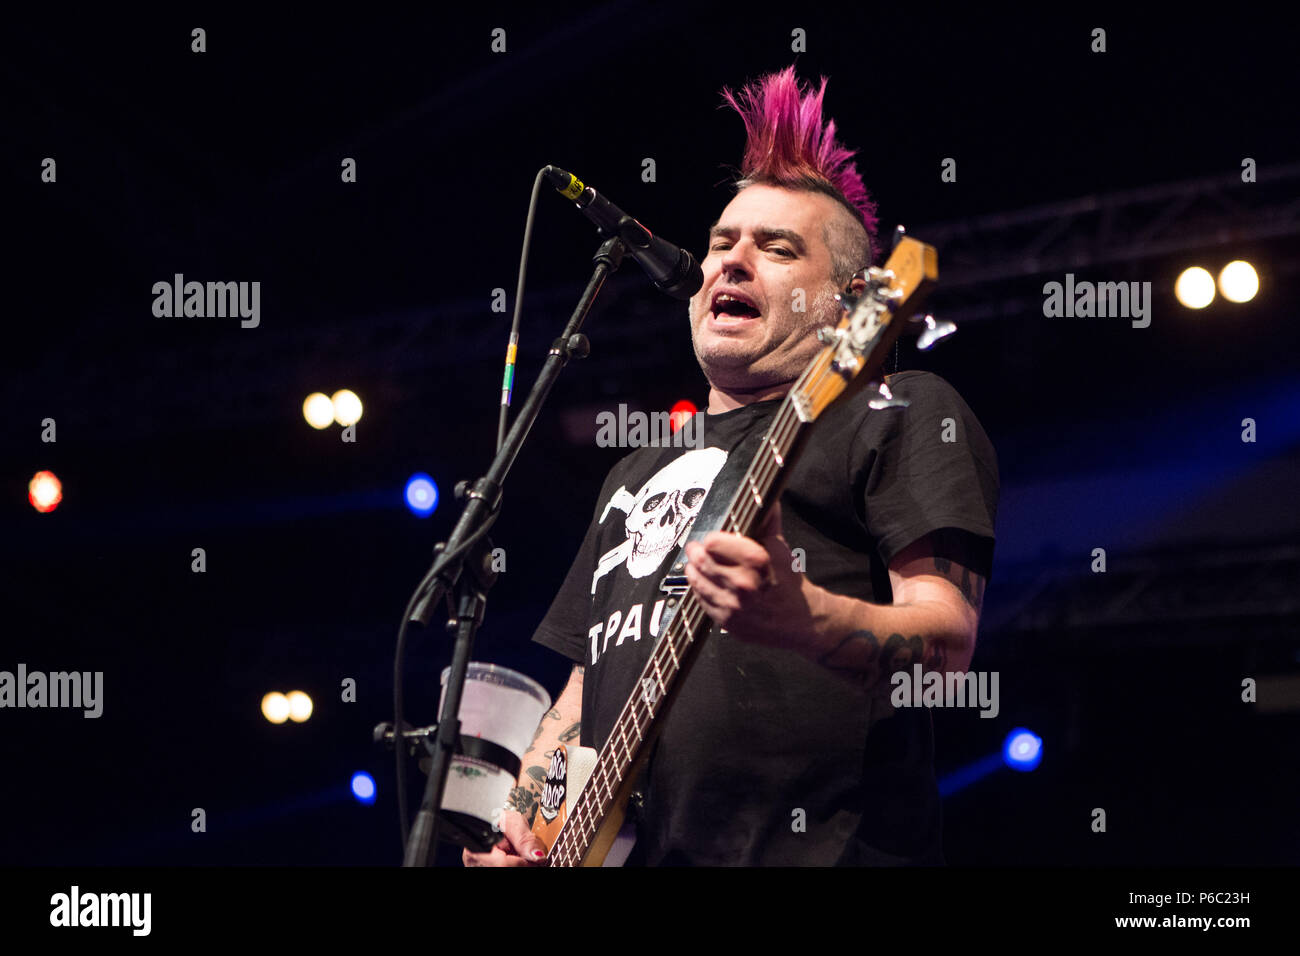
x=766 y=757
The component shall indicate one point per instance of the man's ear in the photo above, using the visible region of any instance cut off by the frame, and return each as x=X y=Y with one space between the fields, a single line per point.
x=856 y=285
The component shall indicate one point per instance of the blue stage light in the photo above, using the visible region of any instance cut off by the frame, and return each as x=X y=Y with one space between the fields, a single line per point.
x=1023 y=750
x=421 y=495
x=363 y=787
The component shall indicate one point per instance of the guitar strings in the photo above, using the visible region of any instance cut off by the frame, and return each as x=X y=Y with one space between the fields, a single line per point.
x=783 y=430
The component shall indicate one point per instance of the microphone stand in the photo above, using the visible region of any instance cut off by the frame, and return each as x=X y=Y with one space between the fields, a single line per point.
x=468 y=549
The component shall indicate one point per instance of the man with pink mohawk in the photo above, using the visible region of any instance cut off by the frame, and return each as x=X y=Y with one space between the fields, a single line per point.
x=786 y=744
x=787 y=145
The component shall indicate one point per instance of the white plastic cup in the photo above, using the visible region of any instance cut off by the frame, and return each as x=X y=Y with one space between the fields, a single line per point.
x=502 y=707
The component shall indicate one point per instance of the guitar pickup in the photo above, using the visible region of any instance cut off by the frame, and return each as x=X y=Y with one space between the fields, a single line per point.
x=674 y=581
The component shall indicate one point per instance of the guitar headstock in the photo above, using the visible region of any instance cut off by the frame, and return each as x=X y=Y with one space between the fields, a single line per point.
x=856 y=348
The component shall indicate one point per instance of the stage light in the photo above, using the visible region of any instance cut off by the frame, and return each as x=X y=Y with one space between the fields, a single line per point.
x=1238 y=281
x=299 y=706
x=421 y=494
x=1023 y=750
x=681 y=414
x=963 y=777
x=1195 y=288
x=318 y=410
x=363 y=787
x=347 y=407
x=275 y=707
x=44 y=491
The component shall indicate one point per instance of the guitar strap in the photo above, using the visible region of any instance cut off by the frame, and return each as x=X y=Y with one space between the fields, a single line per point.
x=710 y=518
x=714 y=509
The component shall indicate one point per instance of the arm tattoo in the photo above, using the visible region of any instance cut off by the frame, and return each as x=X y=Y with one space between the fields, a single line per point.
x=879 y=659
x=971 y=586
x=524 y=800
x=571 y=733
x=553 y=714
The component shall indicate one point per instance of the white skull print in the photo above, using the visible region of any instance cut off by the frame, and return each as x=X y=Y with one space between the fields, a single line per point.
x=660 y=515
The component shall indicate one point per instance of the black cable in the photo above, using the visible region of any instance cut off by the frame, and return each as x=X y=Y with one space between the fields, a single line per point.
x=399 y=655
x=512 y=345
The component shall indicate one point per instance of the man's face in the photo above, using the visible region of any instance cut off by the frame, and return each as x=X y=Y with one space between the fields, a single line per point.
x=767 y=244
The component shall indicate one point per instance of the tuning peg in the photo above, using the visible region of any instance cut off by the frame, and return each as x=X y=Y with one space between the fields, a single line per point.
x=884 y=398
x=899 y=233
x=827 y=335
x=935 y=331
x=846 y=300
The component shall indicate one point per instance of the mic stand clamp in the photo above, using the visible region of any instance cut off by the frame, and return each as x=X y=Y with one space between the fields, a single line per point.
x=414 y=739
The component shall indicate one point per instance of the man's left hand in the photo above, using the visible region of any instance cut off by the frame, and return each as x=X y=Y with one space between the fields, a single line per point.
x=748 y=585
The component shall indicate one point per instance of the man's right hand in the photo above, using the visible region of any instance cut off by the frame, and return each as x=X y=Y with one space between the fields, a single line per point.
x=518 y=845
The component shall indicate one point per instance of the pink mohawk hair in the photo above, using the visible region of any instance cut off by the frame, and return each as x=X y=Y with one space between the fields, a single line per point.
x=786 y=144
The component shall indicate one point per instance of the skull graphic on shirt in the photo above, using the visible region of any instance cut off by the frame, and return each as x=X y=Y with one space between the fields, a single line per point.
x=660 y=515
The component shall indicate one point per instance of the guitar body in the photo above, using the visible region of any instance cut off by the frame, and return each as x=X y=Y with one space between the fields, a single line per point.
x=569 y=773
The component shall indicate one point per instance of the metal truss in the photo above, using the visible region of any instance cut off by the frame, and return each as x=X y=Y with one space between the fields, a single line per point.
x=446 y=345
x=1126 y=226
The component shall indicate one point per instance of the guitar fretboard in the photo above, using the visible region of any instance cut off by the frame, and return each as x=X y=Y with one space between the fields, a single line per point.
x=684 y=621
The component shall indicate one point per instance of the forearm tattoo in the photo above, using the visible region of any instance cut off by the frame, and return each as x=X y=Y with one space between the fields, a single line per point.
x=524 y=799
x=869 y=661
x=541 y=726
x=525 y=796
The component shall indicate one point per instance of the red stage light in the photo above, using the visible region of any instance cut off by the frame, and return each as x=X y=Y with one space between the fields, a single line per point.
x=44 y=491
x=681 y=414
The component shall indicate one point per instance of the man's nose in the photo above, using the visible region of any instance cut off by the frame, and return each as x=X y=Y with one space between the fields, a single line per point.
x=736 y=260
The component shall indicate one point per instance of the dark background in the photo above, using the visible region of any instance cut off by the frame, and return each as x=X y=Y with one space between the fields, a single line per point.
x=183 y=433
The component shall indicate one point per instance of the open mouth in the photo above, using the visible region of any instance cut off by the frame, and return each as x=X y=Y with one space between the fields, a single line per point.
x=733 y=307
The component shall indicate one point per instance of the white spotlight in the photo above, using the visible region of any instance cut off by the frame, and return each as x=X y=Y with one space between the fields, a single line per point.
x=299 y=706
x=318 y=410
x=347 y=407
x=1195 y=288
x=1238 y=282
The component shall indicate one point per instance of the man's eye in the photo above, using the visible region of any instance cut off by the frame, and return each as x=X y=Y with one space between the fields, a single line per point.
x=782 y=249
x=719 y=246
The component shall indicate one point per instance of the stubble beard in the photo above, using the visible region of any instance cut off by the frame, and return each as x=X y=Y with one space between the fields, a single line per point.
x=731 y=365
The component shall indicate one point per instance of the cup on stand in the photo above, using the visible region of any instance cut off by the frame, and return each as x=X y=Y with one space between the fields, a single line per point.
x=499 y=713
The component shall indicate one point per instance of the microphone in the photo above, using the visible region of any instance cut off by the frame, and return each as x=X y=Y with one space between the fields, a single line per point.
x=670 y=267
